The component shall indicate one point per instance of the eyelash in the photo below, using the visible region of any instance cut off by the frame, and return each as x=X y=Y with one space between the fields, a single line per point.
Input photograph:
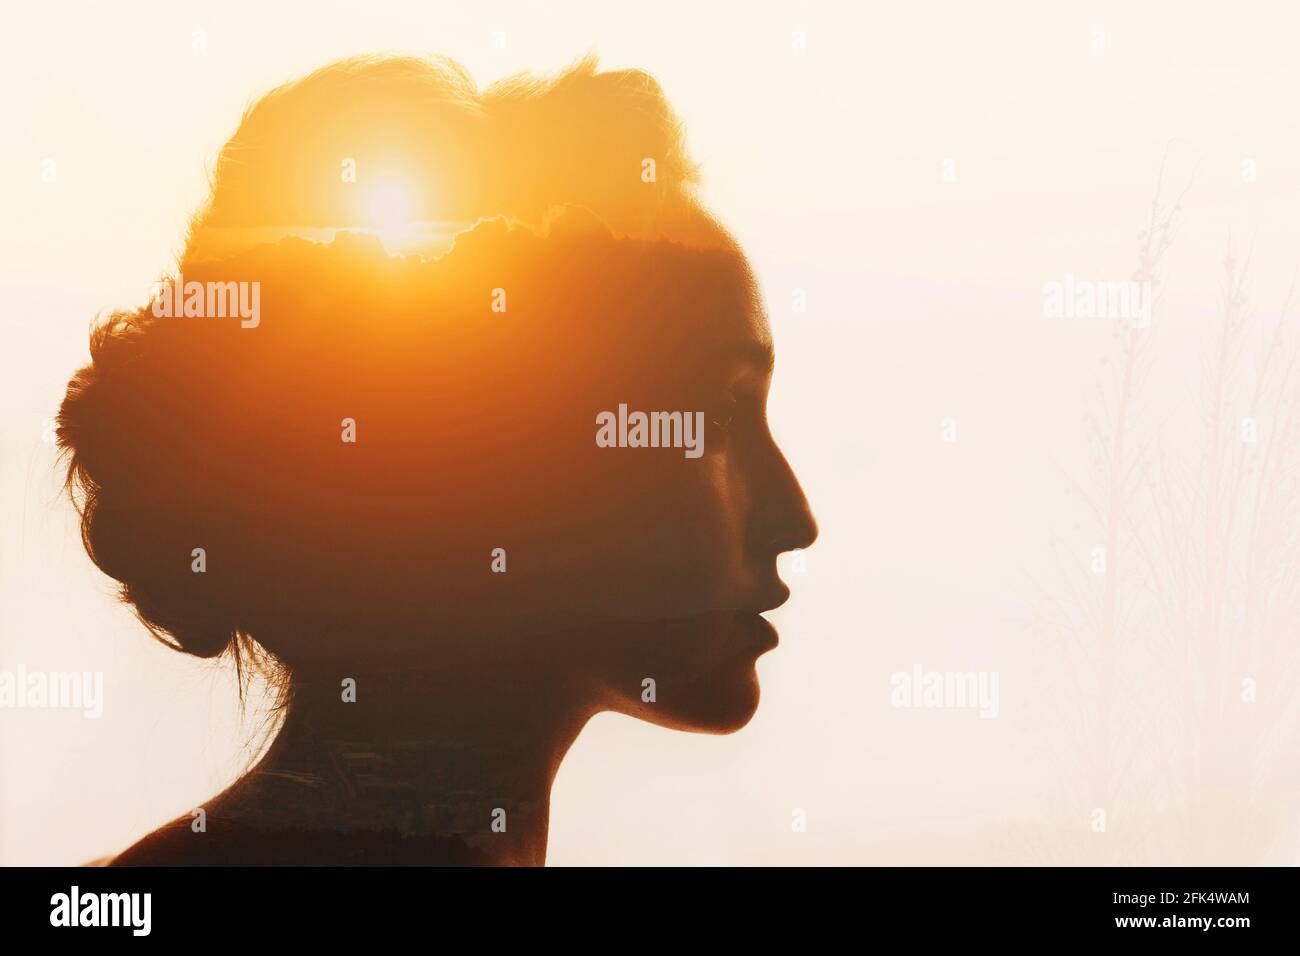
x=726 y=413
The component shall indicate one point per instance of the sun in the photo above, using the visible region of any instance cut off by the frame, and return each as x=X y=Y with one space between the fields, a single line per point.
x=389 y=208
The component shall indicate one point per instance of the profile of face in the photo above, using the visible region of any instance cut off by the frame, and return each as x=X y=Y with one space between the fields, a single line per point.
x=694 y=541
x=538 y=459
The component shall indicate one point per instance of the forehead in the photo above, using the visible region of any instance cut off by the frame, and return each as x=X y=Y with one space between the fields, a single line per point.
x=667 y=314
x=721 y=318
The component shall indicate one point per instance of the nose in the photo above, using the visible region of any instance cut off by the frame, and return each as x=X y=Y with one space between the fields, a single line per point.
x=783 y=518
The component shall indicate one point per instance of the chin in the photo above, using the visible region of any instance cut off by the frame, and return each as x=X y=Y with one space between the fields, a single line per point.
x=714 y=703
x=704 y=672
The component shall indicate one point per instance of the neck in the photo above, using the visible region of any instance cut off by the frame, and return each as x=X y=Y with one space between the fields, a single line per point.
x=431 y=757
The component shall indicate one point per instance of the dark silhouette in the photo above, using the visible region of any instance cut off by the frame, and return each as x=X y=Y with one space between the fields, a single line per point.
x=389 y=482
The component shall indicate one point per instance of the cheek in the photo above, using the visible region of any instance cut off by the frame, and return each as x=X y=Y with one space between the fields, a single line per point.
x=710 y=520
x=693 y=537
x=655 y=535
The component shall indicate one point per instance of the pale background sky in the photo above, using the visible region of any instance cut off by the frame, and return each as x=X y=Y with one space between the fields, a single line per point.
x=924 y=302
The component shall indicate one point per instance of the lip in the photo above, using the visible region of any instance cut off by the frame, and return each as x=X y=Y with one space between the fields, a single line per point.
x=761 y=630
x=772 y=601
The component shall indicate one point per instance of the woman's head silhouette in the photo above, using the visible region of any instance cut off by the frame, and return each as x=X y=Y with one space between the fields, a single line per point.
x=490 y=490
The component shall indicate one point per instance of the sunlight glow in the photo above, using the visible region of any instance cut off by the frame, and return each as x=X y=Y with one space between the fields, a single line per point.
x=389 y=209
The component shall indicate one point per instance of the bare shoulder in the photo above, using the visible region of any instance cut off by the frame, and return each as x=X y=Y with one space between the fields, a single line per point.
x=177 y=843
x=225 y=842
